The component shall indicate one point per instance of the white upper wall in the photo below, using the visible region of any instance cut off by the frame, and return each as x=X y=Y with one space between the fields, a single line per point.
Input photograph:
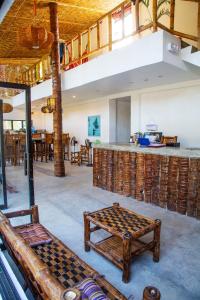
x=75 y=119
x=148 y=56
x=142 y=52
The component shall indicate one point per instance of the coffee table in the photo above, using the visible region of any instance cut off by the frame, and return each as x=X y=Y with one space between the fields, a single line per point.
x=126 y=228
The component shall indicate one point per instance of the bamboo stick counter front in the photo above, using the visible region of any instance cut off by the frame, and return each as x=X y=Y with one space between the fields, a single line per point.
x=167 y=177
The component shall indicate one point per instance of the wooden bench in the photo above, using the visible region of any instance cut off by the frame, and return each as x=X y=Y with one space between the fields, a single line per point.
x=52 y=270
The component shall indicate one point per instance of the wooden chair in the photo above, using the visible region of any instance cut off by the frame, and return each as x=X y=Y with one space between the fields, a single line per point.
x=21 y=147
x=9 y=148
x=66 y=145
x=76 y=158
x=49 y=146
x=169 y=139
x=38 y=146
x=84 y=154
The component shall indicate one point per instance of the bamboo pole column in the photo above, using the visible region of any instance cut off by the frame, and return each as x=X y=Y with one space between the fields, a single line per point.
x=172 y=10
x=59 y=167
x=137 y=21
x=155 y=7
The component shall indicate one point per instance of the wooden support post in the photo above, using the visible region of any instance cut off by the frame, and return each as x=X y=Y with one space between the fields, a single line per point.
x=35 y=214
x=110 y=31
x=86 y=231
x=156 y=251
x=80 y=47
x=98 y=36
x=172 y=10
x=155 y=6
x=198 y=29
x=126 y=257
x=59 y=167
x=137 y=22
x=123 y=25
x=89 y=40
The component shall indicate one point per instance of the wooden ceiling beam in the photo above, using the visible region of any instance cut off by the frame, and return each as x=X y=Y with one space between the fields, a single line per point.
x=18 y=61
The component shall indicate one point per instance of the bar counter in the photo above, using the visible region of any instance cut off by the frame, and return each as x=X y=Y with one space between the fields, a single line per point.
x=167 y=177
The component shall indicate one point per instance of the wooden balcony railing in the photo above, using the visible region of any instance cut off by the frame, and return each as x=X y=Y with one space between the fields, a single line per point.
x=126 y=22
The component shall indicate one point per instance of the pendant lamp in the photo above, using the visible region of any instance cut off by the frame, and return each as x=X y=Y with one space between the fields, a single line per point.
x=35 y=37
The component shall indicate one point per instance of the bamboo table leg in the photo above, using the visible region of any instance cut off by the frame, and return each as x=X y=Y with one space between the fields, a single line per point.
x=151 y=293
x=156 y=251
x=126 y=257
x=86 y=232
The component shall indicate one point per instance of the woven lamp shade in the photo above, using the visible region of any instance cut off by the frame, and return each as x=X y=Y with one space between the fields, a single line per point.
x=35 y=37
x=46 y=110
x=7 y=108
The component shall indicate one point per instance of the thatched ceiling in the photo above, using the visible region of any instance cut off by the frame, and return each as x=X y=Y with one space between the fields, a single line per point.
x=74 y=17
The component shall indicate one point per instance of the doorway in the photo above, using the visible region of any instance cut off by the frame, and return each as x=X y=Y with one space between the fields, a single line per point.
x=120 y=120
x=16 y=147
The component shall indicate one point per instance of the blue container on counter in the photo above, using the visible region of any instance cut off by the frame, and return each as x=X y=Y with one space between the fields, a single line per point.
x=144 y=142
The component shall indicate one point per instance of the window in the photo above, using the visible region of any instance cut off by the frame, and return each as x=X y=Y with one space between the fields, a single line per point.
x=7 y=125
x=14 y=124
x=17 y=125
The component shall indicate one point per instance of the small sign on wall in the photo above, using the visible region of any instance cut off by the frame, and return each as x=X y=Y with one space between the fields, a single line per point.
x=94 y=126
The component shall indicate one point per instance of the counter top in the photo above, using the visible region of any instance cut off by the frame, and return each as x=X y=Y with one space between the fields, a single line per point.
x=166 y=151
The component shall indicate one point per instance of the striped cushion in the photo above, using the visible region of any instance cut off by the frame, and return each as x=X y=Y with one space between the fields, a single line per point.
x=90 y=290
x=34 y=234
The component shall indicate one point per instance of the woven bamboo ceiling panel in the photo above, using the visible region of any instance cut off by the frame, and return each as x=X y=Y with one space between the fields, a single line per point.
x=74 y=17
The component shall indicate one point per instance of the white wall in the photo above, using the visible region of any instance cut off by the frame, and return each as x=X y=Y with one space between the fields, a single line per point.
x=16 y=114
x=75 y=119
x=175 y=110
x=42 y=121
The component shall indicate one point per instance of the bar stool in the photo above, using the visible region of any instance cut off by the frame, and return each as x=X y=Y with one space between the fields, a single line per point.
x=84 y=154
x=38 y=146
x=66 y=145
x=75 y=154
x=21 y=147
x=49 y=146
x=9 y=148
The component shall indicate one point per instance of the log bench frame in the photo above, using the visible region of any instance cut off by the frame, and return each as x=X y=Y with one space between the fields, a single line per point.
x=38 y=276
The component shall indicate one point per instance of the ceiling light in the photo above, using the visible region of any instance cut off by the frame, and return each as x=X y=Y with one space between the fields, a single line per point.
x=74 y=96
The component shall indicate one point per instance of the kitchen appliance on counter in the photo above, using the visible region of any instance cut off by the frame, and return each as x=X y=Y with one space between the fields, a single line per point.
x=153 y=136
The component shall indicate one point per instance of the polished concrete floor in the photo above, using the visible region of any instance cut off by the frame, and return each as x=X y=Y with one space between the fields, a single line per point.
x=62 y=202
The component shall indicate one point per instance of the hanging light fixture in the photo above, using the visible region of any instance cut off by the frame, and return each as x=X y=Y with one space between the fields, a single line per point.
x=50 y=107
x=7 y=108
x=51 y=102
x=35 y=37
x=46 y=110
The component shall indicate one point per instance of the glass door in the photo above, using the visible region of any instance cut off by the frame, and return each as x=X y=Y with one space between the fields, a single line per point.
x=3 y=190
x=16 y=159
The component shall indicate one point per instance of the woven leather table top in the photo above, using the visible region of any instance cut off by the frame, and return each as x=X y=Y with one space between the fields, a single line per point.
x=119 y=221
